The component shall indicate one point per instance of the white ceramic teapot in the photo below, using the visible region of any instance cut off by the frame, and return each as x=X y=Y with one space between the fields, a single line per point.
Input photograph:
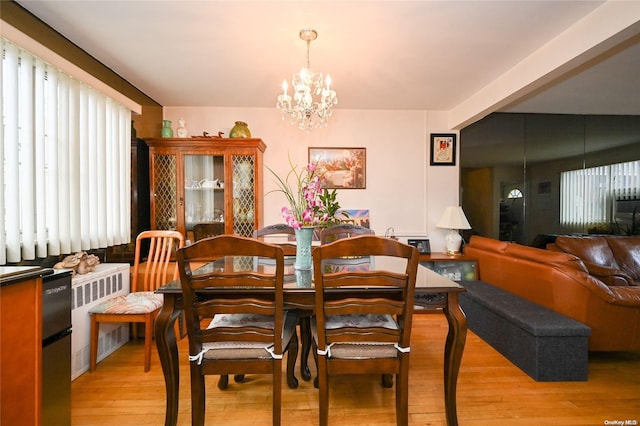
x=206 y=183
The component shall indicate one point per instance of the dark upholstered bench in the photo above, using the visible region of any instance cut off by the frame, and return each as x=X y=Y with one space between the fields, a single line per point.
x=546 y=345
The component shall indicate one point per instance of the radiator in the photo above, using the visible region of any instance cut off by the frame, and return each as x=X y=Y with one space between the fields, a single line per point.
x=108 y=280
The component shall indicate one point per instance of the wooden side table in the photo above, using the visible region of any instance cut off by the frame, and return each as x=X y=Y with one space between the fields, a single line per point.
x=454 y=267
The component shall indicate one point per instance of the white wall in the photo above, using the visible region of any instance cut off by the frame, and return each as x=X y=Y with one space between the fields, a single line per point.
x=402 y=190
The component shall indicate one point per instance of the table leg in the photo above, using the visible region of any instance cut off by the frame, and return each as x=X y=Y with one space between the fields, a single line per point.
x=168 y=353
x=454 y=347
x=292 y=354
x=305 y=336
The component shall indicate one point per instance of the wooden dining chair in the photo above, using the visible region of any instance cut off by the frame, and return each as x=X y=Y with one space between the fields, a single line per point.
x=280 y=234
x=236 y=322
x=141 y=305
x=370 y=334
x=277 y=234
x=332 y=233
x=206 y=230
x=284 y=235
x=343 y=230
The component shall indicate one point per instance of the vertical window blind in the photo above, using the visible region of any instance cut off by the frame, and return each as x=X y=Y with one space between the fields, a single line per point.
x=587 y=195
x=625 y=180
x=66 y=171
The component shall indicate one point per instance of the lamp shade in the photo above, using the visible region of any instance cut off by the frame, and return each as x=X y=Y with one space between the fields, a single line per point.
x=453 y=218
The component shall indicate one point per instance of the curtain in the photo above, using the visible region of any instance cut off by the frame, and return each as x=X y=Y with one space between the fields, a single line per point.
x=66 y=170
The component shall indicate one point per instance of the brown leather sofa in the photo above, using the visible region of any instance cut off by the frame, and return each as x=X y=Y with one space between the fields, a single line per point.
x=615 y=260
x=561 y=282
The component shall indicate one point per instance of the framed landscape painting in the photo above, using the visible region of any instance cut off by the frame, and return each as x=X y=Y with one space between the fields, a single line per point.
x=358 y=217
x=344 y=168
x=443 y=149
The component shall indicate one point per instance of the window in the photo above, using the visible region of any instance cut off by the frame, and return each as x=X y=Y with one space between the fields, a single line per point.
x=66 y=166
x=514 y=193
x=587 y=195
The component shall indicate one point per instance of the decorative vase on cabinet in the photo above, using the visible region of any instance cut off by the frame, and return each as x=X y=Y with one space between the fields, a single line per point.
x=240 y=130
x=187 y=186
x=181 y=130
x=167 y=131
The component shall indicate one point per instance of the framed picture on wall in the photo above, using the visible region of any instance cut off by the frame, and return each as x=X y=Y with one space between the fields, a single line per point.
x=443 y=149
x=344 y=168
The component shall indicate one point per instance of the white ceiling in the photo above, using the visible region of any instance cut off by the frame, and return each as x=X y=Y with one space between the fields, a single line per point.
x=425 y=55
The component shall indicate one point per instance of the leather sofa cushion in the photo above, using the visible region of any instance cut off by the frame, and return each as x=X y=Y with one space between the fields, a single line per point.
x=590 y=249
x=626 y=251
x=545 y=256
x=489 y=254
x=488 y=244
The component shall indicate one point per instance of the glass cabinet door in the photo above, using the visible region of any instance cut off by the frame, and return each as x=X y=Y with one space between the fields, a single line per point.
x=243 y=195
x=203 y=190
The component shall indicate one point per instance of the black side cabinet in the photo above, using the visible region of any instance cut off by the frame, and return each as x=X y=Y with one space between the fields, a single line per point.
x=140 y=203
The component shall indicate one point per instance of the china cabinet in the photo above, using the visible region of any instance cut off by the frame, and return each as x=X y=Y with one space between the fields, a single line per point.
x=206 y=180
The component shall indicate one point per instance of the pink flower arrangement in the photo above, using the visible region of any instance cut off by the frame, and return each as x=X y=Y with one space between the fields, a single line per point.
x=306 y=207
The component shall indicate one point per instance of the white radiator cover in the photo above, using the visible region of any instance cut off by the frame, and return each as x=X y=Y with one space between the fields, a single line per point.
x=108 y=280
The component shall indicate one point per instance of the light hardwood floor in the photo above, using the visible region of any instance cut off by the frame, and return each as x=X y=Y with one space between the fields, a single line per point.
x=491 y=390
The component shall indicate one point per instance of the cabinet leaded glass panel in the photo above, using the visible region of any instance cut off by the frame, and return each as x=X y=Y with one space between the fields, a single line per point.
x=165 y=191
x=243 y=195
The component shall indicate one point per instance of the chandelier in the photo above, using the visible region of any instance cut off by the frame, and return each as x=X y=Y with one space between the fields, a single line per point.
x=312 y=100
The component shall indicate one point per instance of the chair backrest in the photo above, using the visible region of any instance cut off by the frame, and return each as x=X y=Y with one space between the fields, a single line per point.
x=343 y=230
x=386 y=292
x=157 y=268
x=198 y=280
x=278 y=230
x=206 y=230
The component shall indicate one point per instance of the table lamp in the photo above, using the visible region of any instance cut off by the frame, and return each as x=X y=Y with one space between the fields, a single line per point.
x=454 y=219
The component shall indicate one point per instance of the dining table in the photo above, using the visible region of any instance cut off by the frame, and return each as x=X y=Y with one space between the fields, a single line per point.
x=433 y=294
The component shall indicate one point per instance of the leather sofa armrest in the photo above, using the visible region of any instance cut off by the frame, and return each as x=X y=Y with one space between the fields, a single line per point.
x=626 y=296
x=609 y=276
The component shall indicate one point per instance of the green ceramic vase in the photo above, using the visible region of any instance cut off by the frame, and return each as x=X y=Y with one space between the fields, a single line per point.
x=240 y=130
x=167 y=131
x=304 y=236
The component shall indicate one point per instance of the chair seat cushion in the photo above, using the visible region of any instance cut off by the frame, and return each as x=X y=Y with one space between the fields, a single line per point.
x=361 y=321
x=242 y=320
x=359 y=350
x=245 y=350
x=363 y=350
x=139 y=302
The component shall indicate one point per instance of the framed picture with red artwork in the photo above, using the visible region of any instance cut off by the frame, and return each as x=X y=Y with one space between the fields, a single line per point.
x=443 y=149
